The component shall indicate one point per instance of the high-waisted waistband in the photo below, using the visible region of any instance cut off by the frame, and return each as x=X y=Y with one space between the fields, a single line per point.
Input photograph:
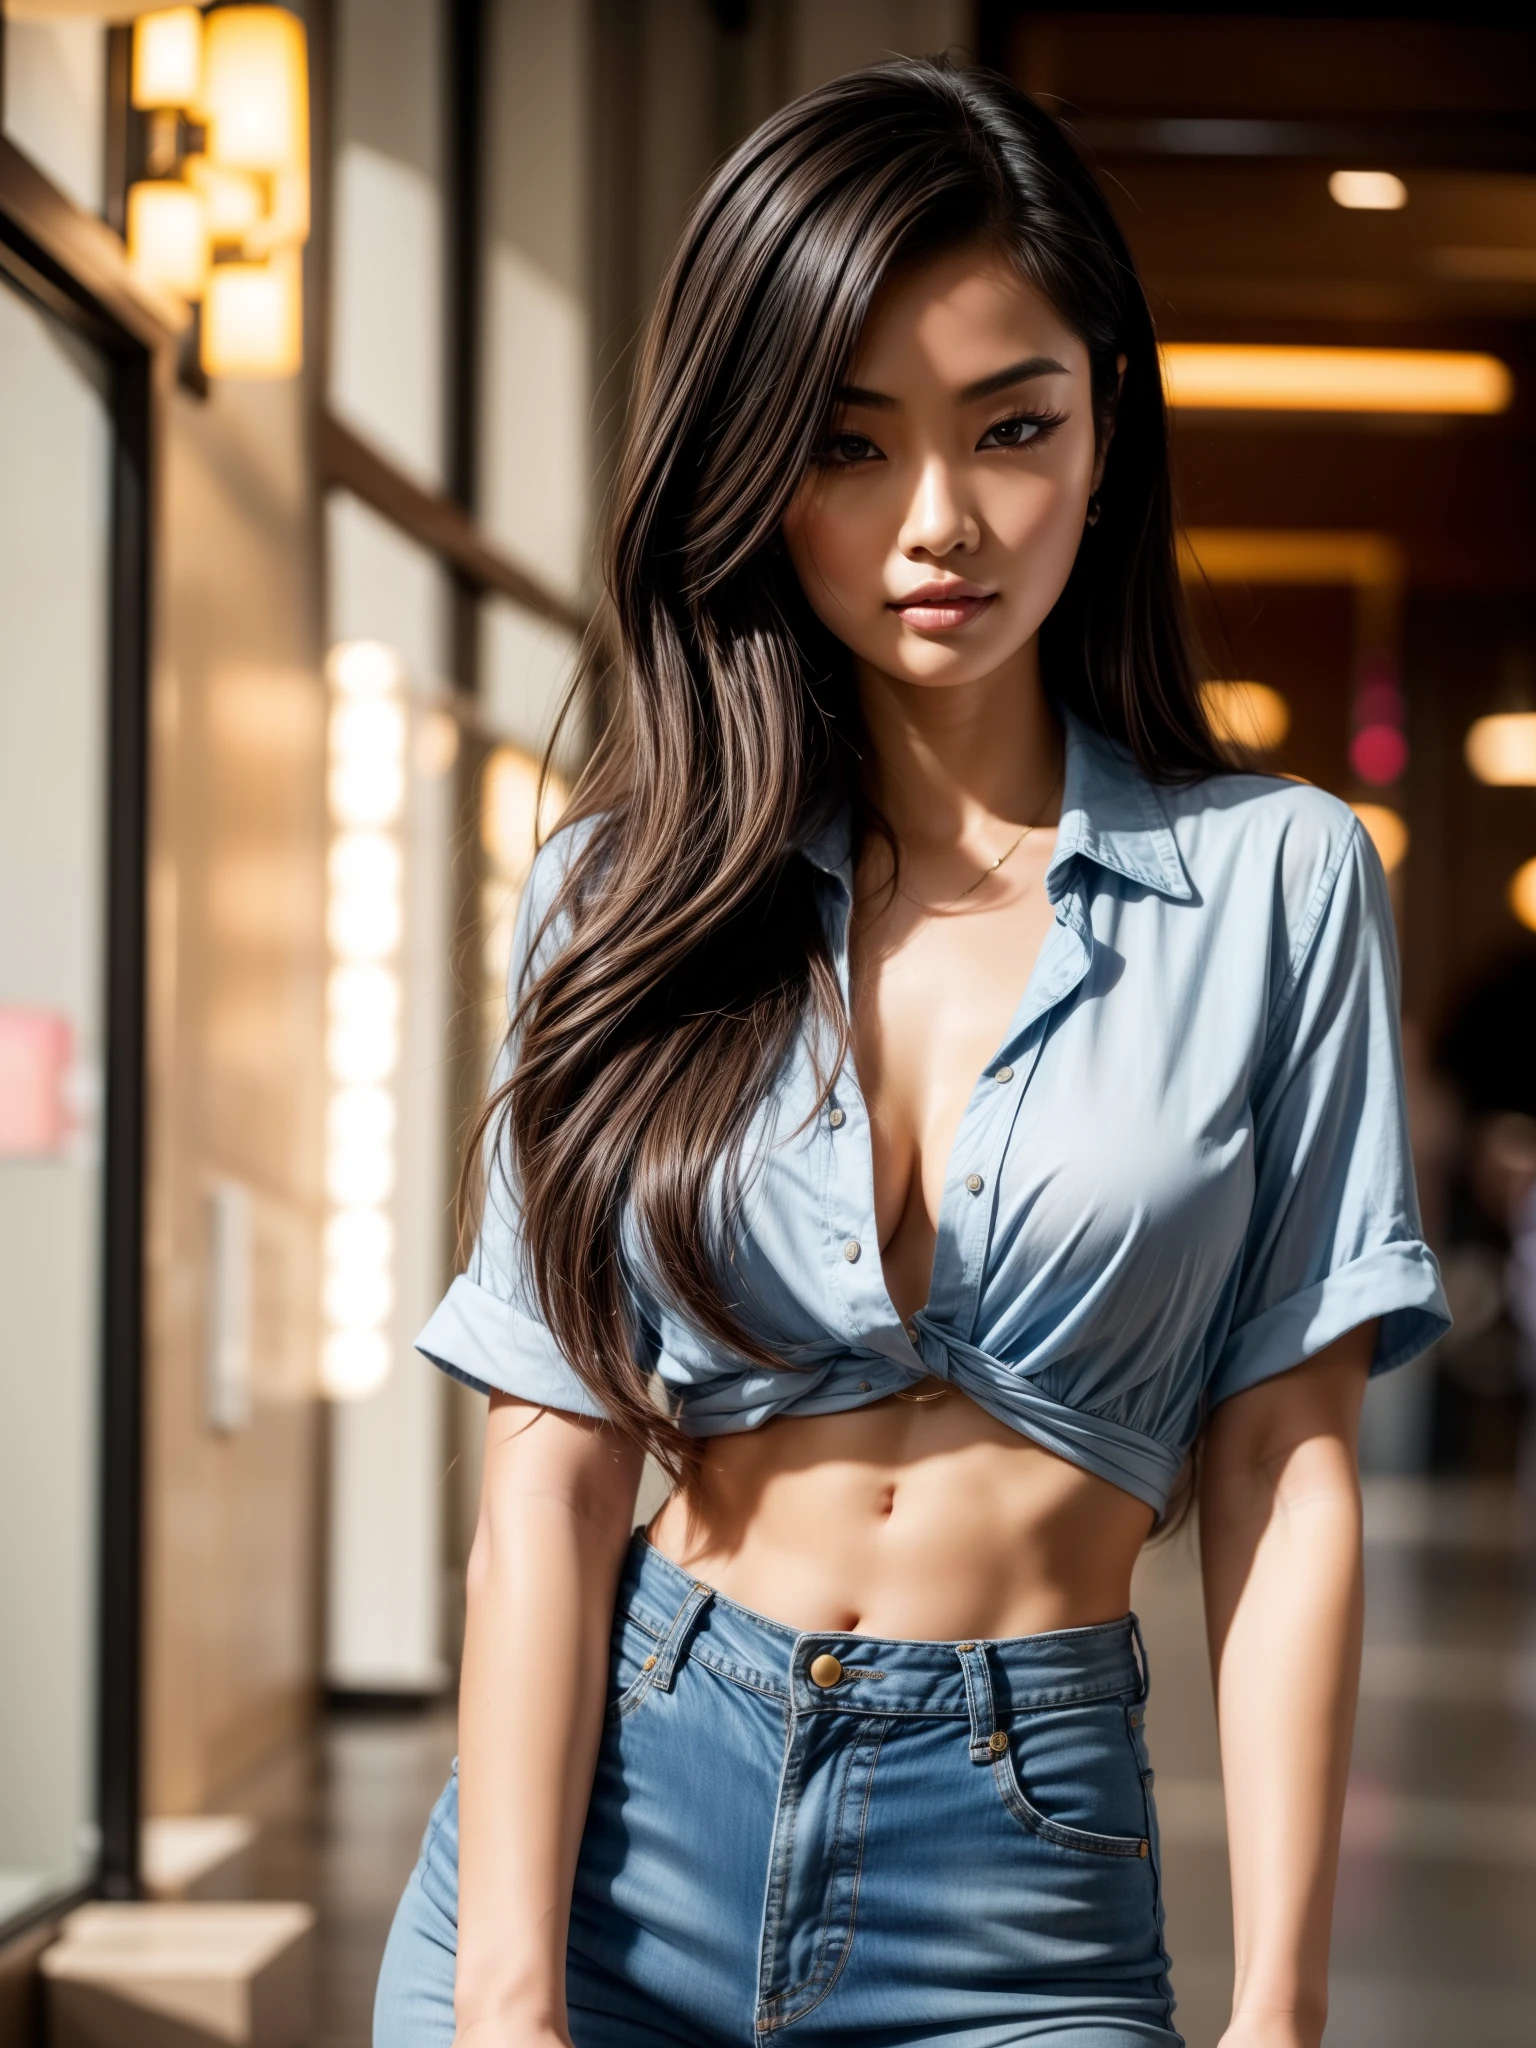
x=831 y=1671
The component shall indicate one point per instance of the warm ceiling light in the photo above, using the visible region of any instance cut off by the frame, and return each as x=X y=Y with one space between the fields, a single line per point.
x=168 y=59
x=285 y=224
x=168 y=236
x=1502 y=749
x=1368 y=191
x=253 y=319
x=1522 y=894
x=363 y=668
x=1250 y=715
x=233 y=198
x=256 y=88
x=1246 y=377
x=1389 y=835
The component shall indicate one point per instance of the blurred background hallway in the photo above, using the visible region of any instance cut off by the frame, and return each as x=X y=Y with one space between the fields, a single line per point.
x=316 y=327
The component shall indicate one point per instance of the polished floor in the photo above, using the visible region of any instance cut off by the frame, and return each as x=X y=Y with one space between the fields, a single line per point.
x=1435 y=1939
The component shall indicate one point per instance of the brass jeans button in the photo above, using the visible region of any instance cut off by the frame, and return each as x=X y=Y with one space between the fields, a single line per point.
x=825 y=1670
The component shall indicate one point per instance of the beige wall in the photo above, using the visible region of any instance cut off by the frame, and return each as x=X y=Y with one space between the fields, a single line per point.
x=235 y=1087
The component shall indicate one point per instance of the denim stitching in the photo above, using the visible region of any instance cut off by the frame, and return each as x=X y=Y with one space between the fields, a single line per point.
x=786 y=1813
x=671 y=1648
x=793 y=1990
x=1154 y=1857
x=1034 y=1702
x=1057 y=1832
x=877 y=1736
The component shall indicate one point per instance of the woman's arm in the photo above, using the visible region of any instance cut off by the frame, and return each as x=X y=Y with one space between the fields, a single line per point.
x=556 y=1507
x=1280 y=1553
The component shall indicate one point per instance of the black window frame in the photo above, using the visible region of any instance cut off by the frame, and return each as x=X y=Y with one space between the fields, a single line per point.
x=69 y=263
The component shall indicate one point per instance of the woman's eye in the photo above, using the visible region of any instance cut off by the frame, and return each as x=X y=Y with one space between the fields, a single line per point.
x=1016 y=432
x=842 y=451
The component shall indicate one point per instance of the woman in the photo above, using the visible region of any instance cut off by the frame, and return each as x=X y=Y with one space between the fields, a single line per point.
x=939 y=1088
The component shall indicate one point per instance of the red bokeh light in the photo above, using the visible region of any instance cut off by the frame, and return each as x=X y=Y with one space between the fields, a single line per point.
x=1378 y=754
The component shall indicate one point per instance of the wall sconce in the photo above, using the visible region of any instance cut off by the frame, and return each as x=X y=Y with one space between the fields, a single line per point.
x=225 y=210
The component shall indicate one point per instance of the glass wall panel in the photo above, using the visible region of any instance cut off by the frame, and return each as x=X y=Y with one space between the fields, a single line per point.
x=55 y=443
x=386 y=376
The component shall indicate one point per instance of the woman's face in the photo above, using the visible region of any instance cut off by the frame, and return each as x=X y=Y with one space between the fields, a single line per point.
x=940 y=521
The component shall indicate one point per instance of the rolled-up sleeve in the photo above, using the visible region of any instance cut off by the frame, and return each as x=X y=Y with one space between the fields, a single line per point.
x=487 y=1330
x=1334 y=1238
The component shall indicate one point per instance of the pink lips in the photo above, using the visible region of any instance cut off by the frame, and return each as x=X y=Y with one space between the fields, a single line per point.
x=942 y=608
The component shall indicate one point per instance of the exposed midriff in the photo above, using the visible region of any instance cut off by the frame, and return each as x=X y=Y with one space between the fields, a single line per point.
x=929 y=1520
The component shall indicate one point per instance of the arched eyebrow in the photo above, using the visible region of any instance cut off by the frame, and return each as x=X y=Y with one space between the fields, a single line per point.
x=984 y=387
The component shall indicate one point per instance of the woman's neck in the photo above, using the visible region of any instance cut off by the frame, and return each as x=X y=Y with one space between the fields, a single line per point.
x=952 y=760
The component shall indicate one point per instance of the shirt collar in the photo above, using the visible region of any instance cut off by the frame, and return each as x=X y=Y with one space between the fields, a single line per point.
x=1110 y=814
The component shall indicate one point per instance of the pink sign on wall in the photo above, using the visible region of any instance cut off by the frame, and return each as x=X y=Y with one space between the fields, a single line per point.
x=36 y=1051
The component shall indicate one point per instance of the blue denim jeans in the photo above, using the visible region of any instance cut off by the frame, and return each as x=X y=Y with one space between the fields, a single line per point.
x=849 y=1840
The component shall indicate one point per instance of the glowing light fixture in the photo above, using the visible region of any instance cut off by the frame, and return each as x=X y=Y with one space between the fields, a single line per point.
x=233 y=198
x=253 y=318
x=1242 y=377
x=168 y=236
x=1389 y=834
x=1378 y=754
x=168 y=59
x=365 y=913
x=1522 y=894
x=242 y=74
x=1502 y=750
x=256 y=88
x=1368 y=191
x=1251 y=715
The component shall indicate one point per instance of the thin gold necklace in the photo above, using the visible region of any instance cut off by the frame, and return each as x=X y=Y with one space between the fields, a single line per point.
x=987 y=872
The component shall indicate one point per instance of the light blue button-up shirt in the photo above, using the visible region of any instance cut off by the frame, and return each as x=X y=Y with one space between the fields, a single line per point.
x=1184 y=1170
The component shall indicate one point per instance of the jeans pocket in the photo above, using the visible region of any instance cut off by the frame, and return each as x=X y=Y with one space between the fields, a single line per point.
x=1072 y=1776
x=632 y=1659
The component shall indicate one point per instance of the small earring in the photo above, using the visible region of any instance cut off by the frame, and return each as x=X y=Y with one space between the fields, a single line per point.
x=1094 y=509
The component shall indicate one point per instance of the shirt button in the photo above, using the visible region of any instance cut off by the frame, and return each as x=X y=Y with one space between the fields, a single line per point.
x=852 y=1249
x=911 y=1329
x=836 y=1118
x=1003 y=1074
x=974 y=1182
x=864 y=1386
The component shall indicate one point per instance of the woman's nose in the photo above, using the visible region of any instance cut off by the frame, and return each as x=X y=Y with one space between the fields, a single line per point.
x=939 y=520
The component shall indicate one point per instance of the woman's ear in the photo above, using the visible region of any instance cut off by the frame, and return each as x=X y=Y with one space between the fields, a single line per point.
x=1107 y=426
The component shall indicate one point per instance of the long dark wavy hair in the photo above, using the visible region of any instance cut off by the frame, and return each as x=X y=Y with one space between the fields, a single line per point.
x=692 y=952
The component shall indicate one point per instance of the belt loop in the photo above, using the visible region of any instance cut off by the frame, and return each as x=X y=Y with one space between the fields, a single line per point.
x=1141 y=1657
x=978 y=1696
x=674 y=1644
